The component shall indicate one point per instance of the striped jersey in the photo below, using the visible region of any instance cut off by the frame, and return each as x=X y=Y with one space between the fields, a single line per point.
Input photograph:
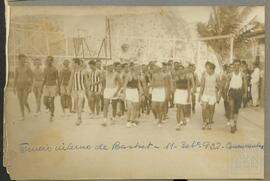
x=79 y=80
x=94 y=77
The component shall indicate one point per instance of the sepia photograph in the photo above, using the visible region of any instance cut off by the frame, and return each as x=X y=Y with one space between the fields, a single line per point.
x=130 y=92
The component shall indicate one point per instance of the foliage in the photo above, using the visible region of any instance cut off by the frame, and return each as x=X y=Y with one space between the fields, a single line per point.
x=234 y=20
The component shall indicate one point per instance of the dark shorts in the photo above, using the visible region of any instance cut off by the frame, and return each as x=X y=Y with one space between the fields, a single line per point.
x=235 y=95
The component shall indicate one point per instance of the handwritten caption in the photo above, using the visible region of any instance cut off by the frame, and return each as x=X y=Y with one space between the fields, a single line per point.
x=26 y=147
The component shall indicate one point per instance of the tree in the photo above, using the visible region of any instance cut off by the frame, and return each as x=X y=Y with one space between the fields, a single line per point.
x=225 y=20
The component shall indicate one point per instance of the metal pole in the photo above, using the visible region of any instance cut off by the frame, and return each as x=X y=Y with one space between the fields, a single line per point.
x=231 y=49
x=110 y=42
x=198 y=52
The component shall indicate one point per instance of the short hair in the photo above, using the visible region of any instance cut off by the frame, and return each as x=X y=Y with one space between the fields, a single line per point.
x=91 y=62
x=236 y=61
x=211 y=65
x=50 y=58
x=116 y=63
x=66 y=61
x=207 y=63
x=244 y=62
x=22 y=56
x=76 y=61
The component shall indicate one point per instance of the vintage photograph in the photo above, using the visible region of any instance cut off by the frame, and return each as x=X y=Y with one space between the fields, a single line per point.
x=135 y=92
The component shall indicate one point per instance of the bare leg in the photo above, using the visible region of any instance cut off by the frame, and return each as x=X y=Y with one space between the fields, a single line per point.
x=105 y=111
x=114 y=107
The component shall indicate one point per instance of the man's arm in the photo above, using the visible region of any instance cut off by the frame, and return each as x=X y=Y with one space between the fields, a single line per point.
x=189 y=87
x=60 y=77
x=45 y=79
x=118 y=82
x=245 y=86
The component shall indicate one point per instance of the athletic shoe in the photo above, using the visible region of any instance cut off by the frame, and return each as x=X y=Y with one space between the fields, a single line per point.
x=134 y=124
x=78 y=122
x=178 y=127
x=160 y=125
x=204 y=126
x=113 y=121
x=128 y=124
x=209 y=126
x=233 y=129
x=164 y=121
x=104 y=123
x=185 y=123
x=36 y=114
x=91 y=116
x=51 y=119
x=187 y=120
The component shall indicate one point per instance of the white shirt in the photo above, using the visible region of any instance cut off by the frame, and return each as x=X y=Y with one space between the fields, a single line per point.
x=255 y=76
x=236 y=81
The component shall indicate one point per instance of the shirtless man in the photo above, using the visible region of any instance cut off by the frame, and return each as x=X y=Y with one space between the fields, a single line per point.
x=50 y=85
x=64 y=77
x=112 y=88
x=168 y=84
x=145 y=95
x=23 y=78
x=38 y=78
x=158 y=93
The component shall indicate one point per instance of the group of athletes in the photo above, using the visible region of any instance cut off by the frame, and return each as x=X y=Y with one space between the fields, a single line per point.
x=128 y=90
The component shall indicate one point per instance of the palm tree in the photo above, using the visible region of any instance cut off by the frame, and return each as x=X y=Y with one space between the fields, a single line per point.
x=225 y=20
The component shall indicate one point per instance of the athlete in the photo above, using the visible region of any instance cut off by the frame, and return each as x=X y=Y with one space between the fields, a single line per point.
x=38 y=78
x=50 y=85
x=236 y=86
x=77 y=86
x=64 y=77
x=22 y=81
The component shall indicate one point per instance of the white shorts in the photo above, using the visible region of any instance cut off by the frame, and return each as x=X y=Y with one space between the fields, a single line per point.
x=132 y=95
x=158 y=95
x=180 y=96
x=209 y=99
x=109 y=93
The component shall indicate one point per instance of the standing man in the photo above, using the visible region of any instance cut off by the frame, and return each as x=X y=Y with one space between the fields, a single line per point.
x=64 y=77
x=194 y=78
x=181 y=96
x=236 y=86
x=50 y=85
x=112 y=88
x=38 y=78
x=255 y=80
x=168 y=84
x=77 y=86
x=209 y=94
x=94 y=89
x=158 y=93
x=223 y=81
x=22 y=81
